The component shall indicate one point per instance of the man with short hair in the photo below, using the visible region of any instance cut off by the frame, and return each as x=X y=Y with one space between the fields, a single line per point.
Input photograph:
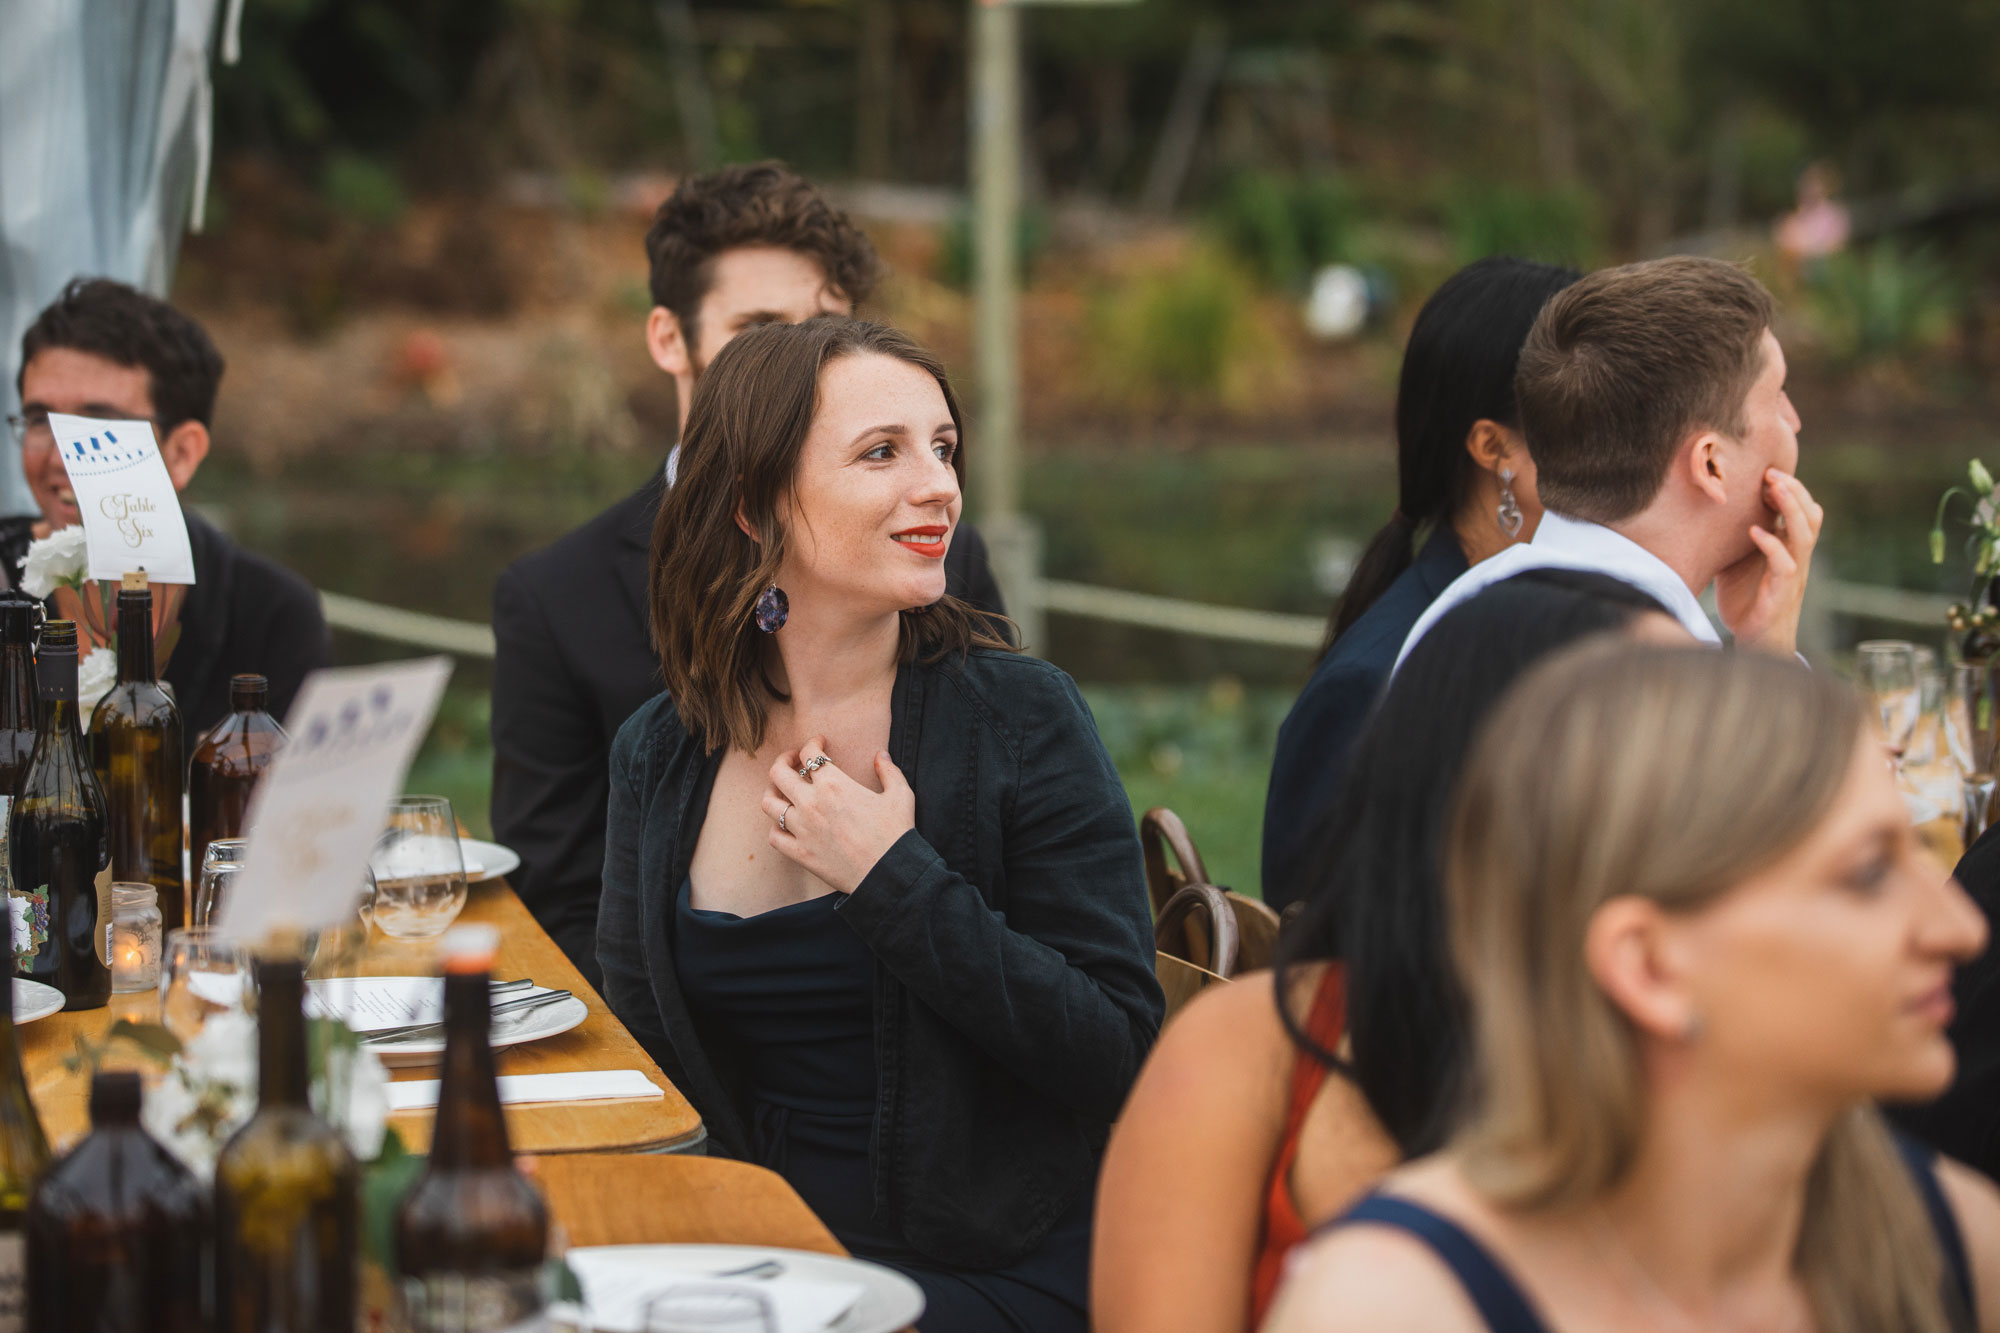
x=743 y=246
x=1652 y=400
x=104 y=349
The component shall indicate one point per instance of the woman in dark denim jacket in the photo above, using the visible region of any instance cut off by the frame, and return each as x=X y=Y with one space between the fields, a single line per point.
x=872 y=895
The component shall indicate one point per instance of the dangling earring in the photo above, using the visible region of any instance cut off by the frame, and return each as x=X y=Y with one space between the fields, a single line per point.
x=1510 y=510
x=771 y=609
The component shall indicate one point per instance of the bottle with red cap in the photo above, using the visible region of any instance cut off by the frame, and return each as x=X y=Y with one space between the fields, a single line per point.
x=472 y=1234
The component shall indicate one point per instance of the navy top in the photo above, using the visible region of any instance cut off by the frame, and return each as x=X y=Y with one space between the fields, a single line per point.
x=1319 y=733
x=1505 y=1308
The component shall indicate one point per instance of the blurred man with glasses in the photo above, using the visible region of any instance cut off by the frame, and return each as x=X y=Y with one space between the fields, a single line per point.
x=104 y=349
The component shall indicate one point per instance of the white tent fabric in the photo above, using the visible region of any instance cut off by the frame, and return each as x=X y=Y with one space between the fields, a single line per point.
x=104 y=155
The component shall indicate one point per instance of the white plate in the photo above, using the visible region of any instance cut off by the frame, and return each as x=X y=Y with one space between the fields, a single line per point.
x=889 y=1301
x=33 y=1000
x=487 y=860
x=394 y=1001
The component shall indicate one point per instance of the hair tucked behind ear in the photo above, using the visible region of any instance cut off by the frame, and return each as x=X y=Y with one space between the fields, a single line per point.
x=1670 y=774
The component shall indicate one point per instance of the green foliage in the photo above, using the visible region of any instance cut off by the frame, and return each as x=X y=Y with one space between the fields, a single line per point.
x=1182 y=335
x=363 y=189
x=384 y=1182
x=456 y=761
x=1205 y=753
x=1286 y=227
x=1884 y=302
x=1558 y=226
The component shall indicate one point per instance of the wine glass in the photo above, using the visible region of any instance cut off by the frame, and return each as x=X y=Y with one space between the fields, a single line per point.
x=1972 y=729
x=697 y=1307
x=201 y=975
x=419 y=870
x=1887 y=670
x=220 y=864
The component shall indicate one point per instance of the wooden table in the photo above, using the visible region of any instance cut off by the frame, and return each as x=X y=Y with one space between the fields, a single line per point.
x=526 y=950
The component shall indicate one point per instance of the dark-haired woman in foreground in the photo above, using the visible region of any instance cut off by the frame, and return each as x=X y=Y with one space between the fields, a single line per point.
x=1700 y=939
x=1465 y=478
x=1236 y=1140
x=872 y=894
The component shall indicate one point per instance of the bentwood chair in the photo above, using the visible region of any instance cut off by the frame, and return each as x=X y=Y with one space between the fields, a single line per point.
x=1255 y=925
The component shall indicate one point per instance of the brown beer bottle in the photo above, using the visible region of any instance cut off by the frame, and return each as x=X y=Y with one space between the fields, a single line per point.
x=226 y=765
x=136 y=747
x=115 y=1230
x=19 y=614
x=472 y=1233
x=287 y=1190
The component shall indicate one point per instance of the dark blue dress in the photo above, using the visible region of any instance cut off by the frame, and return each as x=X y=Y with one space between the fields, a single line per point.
x=1319 y=732
x=792 y=991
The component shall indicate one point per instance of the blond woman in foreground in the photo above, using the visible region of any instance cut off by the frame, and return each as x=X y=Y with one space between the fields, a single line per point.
x=1701 y=940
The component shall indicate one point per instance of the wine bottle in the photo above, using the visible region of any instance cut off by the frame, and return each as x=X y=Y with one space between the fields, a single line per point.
x=472 y=1233
x=24 y=1155
x=287 y=1190
x=19 y=614
x=115 y=1229
x=226 y=765
x=136 y=747
x=57 y=838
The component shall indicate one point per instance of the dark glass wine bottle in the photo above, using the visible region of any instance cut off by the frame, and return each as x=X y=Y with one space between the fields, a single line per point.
x=24 y=1156
x=19 y=613
x=472 y=1233
x=287 y=1190
x=226 y=765
x=58 y=840
x=136 y=747
x=116 y=1228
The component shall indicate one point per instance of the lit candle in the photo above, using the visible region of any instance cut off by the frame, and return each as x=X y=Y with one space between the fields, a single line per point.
x=133 y=937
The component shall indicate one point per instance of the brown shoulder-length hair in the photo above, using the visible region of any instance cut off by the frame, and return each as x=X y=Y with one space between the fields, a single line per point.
x=746 y=428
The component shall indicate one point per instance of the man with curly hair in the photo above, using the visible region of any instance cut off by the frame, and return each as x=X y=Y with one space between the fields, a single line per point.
x=747 y=245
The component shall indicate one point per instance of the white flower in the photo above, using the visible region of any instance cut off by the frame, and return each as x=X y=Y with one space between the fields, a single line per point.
x=208 y=1094
x=57 y=559
x=95 y=675
x=367 y=1114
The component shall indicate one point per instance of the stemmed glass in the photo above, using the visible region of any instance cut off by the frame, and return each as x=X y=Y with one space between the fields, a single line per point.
x=1887 y=670
x=201 y=975
x=220 y=864
x=1972 y=730
x=419 y=869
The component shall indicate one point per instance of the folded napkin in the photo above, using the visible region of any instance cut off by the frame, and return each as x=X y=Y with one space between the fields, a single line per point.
x=585 y=1085
x=617 y=1287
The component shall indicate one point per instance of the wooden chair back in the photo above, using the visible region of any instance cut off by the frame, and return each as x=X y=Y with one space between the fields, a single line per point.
x=1161 y=832
x=1197 y=925
x=1181 y=980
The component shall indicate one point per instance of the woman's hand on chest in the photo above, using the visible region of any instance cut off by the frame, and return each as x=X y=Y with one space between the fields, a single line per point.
x=834 y=825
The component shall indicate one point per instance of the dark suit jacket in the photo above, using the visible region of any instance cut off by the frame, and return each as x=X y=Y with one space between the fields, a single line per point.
x=1319 y=732
x=244 y=614
x=575 y=659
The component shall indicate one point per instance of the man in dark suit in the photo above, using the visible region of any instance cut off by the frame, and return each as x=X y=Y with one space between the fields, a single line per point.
x=743 y=246
x=104 y=349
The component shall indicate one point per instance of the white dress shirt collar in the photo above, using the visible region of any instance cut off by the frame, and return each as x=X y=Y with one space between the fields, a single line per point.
x=1574 y=543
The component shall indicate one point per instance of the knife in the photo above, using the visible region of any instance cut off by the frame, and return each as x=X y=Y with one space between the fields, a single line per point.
x=412 y=1030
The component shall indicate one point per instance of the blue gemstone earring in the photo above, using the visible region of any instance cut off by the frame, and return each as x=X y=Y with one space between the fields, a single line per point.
x=771 y=609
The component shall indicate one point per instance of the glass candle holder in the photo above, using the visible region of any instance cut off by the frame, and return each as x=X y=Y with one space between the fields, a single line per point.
x=135 y=937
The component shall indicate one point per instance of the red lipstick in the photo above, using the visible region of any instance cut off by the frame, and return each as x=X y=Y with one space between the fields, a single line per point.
x=925 y=541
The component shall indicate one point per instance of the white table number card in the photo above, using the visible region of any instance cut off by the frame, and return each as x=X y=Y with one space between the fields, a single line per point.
x=323 y=801
x=131 y=515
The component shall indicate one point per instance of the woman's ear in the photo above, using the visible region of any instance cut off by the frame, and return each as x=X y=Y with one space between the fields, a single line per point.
x=743 y=522
x=1493 y=446
x=1632 y=949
